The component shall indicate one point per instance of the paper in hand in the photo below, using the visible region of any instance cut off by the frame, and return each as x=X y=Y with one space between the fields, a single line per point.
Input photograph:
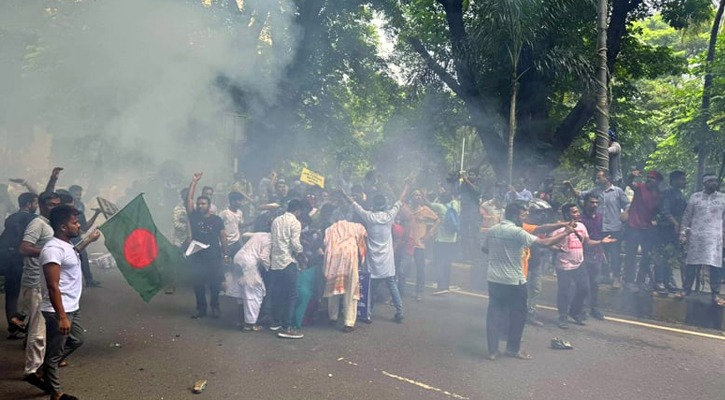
x=195 y=247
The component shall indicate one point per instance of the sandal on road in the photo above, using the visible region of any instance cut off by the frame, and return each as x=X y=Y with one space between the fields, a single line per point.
x=520 y=355
x=719 y=301
x=679 y=296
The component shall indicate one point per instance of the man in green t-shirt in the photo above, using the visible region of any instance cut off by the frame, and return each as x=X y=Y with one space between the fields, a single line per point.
x=507 y=290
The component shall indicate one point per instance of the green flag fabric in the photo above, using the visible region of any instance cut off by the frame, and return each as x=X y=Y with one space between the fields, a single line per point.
x=142 y=253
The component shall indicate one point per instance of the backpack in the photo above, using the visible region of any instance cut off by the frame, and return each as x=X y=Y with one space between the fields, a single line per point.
x=452 y=222
x=11 y=238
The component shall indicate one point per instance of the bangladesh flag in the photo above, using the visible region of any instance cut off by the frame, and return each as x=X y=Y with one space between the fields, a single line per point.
x=142 y=253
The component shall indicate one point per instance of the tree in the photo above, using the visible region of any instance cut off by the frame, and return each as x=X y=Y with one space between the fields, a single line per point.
x=601 y=143
x=707 y=95
x=558 y=82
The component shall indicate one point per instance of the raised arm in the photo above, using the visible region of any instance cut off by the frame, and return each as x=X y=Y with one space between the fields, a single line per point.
x=192 y=188
x=406 y=188
x=24 y=182
x=629 y=181
x=50 y=187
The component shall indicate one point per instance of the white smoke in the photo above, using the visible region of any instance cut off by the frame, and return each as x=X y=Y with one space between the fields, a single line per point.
x=134 y=81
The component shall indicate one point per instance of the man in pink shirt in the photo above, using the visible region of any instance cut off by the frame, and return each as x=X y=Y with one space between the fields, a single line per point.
x=568 y=261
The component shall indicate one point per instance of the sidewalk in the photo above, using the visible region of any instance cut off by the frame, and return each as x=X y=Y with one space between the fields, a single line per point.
x=695 y=310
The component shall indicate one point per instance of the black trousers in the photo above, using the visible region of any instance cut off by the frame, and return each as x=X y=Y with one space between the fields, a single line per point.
x=636 y=238
x=593 y=268
x=13 y=275
x=691 y=272
x=565 y=303
x=284 y=294
x=505 y=302
x=207 y=274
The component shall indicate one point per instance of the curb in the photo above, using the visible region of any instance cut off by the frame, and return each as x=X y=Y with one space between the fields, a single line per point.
x=695 y=310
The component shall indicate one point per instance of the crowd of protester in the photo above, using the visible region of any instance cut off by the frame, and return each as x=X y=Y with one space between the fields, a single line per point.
x=290 y=252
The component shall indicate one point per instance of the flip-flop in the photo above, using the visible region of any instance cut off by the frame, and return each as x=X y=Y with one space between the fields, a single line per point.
x=520 y=355
x=559 y=344
x=719 y=301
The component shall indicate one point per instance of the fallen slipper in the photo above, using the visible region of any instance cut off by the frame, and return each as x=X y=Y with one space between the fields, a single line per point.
x=559 y=344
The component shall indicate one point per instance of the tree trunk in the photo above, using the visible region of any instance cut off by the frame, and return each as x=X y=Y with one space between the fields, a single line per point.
x=512 y=126
x=570 y=128
x=601 y=149
x=706 y=97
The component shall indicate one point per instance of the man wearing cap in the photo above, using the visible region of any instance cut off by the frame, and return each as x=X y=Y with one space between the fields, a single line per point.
x=702 y=232
x=640 y=231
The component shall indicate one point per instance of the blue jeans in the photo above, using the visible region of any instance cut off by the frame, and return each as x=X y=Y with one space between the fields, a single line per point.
x=394 y=293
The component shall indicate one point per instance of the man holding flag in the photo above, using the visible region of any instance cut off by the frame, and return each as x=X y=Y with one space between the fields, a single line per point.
x=61 y=295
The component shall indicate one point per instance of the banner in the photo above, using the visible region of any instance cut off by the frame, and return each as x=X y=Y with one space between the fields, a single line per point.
x=312 y=178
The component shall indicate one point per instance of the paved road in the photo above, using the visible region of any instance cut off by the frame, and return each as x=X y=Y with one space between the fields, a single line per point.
x=436 y=354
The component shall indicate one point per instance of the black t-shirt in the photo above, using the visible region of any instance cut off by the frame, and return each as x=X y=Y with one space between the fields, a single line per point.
x=206 y=229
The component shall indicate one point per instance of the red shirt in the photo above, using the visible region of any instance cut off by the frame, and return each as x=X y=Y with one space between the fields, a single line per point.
x=644 y=206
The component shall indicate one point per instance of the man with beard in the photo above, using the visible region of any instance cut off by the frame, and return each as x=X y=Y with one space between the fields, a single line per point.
x=207 y=229
x=61 y=295
x=702 y=231
x=507 y=289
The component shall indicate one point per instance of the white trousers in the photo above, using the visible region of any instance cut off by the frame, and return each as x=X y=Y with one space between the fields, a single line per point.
x=35 y=349
x=349 y=305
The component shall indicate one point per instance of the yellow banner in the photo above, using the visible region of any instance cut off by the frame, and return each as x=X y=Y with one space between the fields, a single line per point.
x=312 y=178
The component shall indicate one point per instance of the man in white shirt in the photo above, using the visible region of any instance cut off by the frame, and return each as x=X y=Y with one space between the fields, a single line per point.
x=286 y=248
x=61 y=295
x=233 y=218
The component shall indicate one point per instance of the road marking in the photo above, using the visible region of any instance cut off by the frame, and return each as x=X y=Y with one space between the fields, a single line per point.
x=424 y=386
x=407 y=380
x=620 y=320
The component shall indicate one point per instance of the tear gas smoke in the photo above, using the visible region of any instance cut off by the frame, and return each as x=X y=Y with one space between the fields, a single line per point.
x=122 y=87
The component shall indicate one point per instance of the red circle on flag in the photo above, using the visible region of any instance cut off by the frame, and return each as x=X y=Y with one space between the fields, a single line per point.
x=140 y=248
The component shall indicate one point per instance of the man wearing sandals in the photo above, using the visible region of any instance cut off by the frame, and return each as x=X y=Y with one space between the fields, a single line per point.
x=702 y=233
x=507 y=290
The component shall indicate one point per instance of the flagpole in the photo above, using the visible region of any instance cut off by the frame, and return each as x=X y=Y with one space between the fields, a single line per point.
x=463 y=152
x=119 y=211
